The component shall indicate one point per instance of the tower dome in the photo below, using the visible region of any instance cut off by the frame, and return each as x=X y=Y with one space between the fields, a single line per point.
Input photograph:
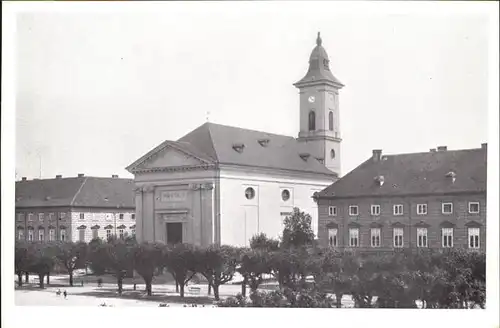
x=319 y=67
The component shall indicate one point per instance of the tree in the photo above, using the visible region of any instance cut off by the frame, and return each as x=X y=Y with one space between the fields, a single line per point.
x=217 y=264
x=95 y=259
x=41 y=259
x=147 y=259
x=116 y=256
x=254 y=263
x=297 y=230
x=72 y=256
x=179 y=260
x=262 y=242
x=21 y=260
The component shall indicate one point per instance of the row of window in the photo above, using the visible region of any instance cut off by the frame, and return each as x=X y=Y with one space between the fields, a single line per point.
x=121 y=216
x=62 y=215
x=62 y=234
x=398 y=237
x=95 y=234
x=312 y=120
x=446 y=208
x=41 y=216
x=41 y=234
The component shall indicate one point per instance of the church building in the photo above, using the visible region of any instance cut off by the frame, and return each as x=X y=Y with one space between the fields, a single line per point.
x=223 y=184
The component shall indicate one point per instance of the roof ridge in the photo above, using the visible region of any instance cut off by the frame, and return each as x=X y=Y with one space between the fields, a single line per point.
x=212 y=142
x=78 y=192
x=251 y=130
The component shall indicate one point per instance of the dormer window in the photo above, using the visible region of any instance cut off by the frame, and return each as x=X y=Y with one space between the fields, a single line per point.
x=452 y=175
x=304 y=156
x=379 y=180
x=263 y=142
x=321 y=160
x=238 y=147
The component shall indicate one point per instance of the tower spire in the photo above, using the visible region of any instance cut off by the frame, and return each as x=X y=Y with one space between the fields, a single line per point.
x=318 y=40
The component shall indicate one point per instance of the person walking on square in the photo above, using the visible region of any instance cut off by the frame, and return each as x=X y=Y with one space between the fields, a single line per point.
x=65 y=294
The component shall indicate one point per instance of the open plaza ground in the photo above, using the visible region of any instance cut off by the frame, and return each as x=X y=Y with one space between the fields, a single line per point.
x=91 y=295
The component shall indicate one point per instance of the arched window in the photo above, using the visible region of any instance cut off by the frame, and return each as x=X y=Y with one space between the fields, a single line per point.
x=330 y=121
x=312 y=121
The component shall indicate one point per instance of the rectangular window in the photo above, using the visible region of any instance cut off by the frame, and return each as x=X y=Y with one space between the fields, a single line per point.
x=30 y=235
x=62 y=234
x=332 y=210
x=398 y=237
x=51 y=216
x=473 y=237
x=108 y=217
x=354 y=237
x=375 y=210
x=52 y=234
x=447 y=208
x=375 y=237
x=421 y=237
x=120 y=233
x=447 y=235
x=474 y=207
x=398 y=209
x=133 y=232
x=30 y=217
x=20 y=234
x=62 y=215
x=353 y=210
x=82 y=216
x=121 y=216
x=41 y=216
x=81 y=235
x=41 y=234
x=332 y=237
x=133 y=216
x=108 y=233
x=20 y=216
x=421 y=209
x=95 y=233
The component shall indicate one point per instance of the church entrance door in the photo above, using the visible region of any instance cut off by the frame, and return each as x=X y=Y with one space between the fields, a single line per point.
x=174 y=232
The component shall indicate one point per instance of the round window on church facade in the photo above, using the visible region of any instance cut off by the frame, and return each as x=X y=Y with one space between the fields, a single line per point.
x=285 y=195
x=332 y=153
x=249 y=193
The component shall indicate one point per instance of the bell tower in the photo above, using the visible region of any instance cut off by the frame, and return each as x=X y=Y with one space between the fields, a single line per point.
x=319 y=109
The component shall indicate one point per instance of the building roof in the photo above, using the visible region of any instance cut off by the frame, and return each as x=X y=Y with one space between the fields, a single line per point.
x=76 y=192
x=221 y=144
x=319 y=67
x=434 y=172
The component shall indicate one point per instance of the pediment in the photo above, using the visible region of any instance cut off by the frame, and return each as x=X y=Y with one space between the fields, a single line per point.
x=169 y=157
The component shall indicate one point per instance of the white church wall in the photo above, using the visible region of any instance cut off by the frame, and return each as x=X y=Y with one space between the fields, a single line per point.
x=241 y=218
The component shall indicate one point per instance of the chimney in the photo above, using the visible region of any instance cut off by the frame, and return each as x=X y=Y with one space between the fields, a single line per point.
x=484 y=146
x=114 y=176
x=377 y=155
x=23 y=179
x=442 y=148
x=433 y=150
x=58 y=176
x=81 y=175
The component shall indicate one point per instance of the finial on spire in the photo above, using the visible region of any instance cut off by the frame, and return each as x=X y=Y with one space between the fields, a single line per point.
x=318 y=40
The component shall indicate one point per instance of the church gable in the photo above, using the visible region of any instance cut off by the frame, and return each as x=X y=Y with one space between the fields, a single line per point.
x=169 y=157
x=170 y=154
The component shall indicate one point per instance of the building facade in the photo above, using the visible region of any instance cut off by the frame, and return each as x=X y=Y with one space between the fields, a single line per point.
x=222 y=184
x=74 y=209
x=422 y=200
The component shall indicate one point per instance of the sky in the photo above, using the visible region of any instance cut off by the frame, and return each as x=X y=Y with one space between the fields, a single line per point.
x=97 y=90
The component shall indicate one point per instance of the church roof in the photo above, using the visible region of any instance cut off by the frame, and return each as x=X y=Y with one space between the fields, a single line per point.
x=319 y=67
x=221 y=144
x=78 y=192
x=435 y=172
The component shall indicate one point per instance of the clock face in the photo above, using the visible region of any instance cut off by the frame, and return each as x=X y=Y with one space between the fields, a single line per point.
x=311 y=99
